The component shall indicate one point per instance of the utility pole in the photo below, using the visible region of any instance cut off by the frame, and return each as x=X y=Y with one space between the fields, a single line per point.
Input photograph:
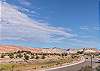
x=91 y=63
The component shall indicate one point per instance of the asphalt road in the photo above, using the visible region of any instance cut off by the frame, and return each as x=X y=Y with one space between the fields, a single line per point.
x=76 y=67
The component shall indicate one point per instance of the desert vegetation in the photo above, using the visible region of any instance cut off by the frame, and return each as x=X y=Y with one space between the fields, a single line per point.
x=98 y=68
x=26 y=60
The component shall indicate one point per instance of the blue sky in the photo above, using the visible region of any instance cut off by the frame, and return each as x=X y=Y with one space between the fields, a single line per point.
x=51 y=23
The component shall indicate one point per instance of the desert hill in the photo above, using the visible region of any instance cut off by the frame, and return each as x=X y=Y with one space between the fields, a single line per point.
x=12 y=48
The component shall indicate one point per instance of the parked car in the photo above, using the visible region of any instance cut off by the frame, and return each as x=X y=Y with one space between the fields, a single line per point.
x=97 y=61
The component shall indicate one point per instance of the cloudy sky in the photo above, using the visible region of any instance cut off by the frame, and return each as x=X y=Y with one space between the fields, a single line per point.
x=50 y=23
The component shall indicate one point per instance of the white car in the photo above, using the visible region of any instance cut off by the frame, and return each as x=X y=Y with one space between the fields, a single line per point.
x=97 y=61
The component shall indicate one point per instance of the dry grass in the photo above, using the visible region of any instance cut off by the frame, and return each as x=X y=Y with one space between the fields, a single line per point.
x=35 y=64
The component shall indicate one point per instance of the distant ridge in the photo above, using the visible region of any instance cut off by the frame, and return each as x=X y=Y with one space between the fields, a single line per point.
x=13 y=48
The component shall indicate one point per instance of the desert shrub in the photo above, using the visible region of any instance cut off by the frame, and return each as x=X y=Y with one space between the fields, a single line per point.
x=37 y=57
x=26 y=57
x=11 y=55
x=43 y=57
x=98 y=68
x=32 y=56
x=2 y=55
x=19 y=55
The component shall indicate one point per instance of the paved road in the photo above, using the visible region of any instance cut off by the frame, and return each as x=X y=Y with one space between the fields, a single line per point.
x=76 y=67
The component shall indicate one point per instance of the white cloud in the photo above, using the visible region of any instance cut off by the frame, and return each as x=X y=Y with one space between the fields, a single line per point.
x=25 y=2
x=3 y=0
x=17 y=25
x=92 y=28
x=84 y=28
x=32 y=12
x=97 y=28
